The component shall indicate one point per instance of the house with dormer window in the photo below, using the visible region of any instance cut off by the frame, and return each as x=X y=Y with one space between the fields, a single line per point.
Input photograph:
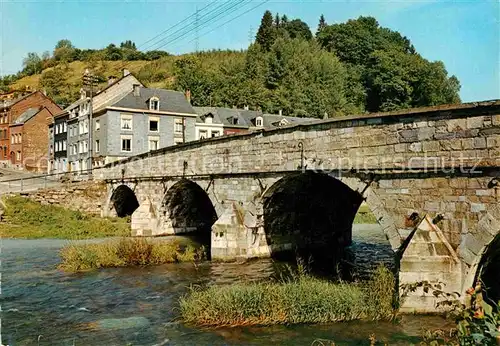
x=144 y=119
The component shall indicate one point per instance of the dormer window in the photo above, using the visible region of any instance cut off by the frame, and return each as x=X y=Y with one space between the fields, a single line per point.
x=283 y=122
x=259 y=122
x=154 y=104
x=234 y=121
x=209 y=118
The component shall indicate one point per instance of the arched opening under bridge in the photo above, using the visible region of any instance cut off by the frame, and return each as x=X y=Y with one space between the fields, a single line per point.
x=489 y=271
x=124 y=201
x=313 y=213
x=190 y=211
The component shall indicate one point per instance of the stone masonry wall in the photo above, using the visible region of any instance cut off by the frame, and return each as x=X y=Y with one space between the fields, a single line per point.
x=88 y=197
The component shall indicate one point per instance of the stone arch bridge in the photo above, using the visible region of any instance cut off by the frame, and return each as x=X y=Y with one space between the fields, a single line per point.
x=299 y=188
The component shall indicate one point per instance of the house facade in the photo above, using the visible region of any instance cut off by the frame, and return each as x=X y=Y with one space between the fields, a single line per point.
x=144 y=120
x=208 y=123
x=233 y=120
x=29 y=140
x=10 y=111
x=72 y=131
x=59 y=143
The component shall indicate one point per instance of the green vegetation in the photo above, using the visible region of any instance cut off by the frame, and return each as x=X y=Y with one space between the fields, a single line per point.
x=303 y=299
x=24 y=218
x=346 y=68
x=127 y=252
x=364 y=215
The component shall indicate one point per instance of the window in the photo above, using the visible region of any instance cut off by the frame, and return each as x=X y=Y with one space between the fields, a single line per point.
x=80 y=128
x=178 y=141
x=215 y=134
x=203 y=134
x=234 y=121
x=126 y=122
x=154 y=143
x=85 y=146
x=259 y=121
x=86 y=126
x=97 y=125
x=154 y=104
x=12 y=139
x=178 y=126
x=64 y=145
x=64 y=127
x=126 y=144
x=80 y=147
x=4 y=151
x=97 y=146
x=20 y=138
x=18 y=156
x=153 y=124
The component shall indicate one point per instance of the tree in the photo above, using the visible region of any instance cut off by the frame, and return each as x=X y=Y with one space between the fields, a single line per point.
x=113 y=53
x=64 y=44
x=266 y=33
x=277 y=20
x=322 y=24
x=298 y=29
x=128 y=44
x=32 y=64
x=64 y=51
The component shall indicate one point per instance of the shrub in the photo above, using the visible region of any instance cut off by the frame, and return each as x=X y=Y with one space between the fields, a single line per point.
x=301 y=300
x=126 y=252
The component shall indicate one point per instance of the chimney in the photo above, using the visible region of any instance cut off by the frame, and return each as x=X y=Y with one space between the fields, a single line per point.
x=246 y=107
x=188 y=96
x=137 y=90
x=111 y=80
x=280 y=112
x=125 y=72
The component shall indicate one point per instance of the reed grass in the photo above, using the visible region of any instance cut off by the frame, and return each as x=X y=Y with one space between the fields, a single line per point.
x=126 y=252
x=301 y=300
x=24 y=218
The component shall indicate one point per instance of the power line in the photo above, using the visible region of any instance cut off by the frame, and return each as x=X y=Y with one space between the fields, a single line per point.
x=188 y=25
x=212 y=18
x=250 y=33
x=197 y=19
x=183 y=21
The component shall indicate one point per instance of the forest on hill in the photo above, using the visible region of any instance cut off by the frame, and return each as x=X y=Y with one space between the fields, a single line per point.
x=352 y=67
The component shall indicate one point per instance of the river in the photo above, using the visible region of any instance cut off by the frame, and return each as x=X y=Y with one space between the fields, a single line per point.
x=43 y=306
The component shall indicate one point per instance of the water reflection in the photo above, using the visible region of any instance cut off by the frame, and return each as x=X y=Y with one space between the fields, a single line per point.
x=86 y=308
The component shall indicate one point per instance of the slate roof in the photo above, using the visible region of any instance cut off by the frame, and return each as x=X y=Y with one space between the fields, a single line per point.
x=225 y=115
x=27 y=115
x=170 y=101
x=246 y=118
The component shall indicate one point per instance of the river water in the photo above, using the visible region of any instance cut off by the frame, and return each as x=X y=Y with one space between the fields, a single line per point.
x=43 y=306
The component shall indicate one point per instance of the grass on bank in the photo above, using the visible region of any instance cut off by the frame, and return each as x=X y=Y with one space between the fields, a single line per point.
x=364 y=215
x=127 y=252
x=302 y=300
x=24 y=218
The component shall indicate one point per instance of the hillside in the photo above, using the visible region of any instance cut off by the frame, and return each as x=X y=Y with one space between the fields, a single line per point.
x=75 y=70
x=352 y=67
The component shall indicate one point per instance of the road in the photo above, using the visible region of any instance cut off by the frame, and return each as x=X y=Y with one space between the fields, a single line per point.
x=21 y=181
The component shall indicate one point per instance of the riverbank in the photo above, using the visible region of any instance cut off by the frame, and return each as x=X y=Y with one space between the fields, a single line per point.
x=304 y=299
x=24 y=218
x=127 y=252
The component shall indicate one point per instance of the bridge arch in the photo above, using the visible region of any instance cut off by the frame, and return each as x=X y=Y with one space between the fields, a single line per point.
x=311 y=214
x=481 y=254
x=187 y=208
x=123 y=200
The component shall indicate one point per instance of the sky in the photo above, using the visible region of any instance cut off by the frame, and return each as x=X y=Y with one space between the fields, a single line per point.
x=465 y=35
